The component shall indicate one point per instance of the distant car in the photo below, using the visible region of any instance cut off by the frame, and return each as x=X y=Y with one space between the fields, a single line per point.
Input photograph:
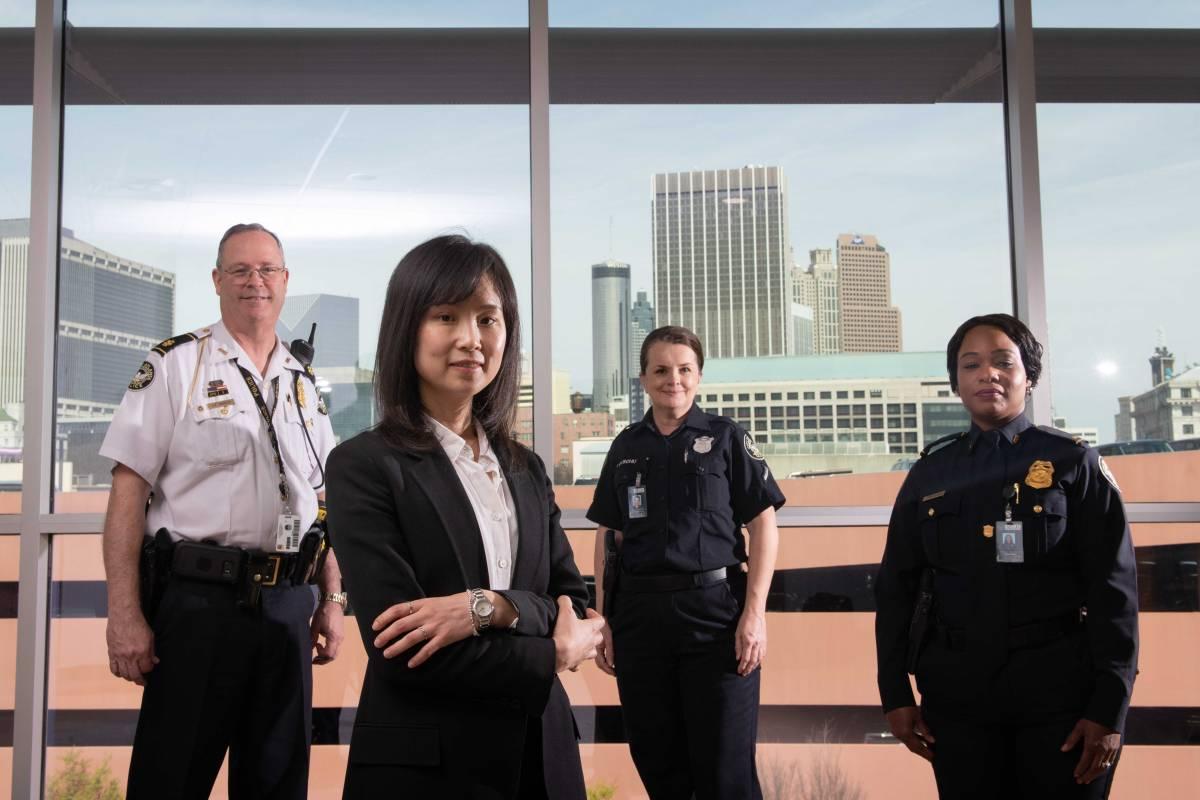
x=904 y=464
x=586 y=481
x=1185 y=444
x=1140 y=447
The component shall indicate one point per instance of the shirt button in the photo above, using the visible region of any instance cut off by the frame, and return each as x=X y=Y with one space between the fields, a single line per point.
x=503 y=563
x=495 y=516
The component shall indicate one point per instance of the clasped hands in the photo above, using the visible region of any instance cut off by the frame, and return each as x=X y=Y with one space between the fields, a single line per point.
x=432 y=623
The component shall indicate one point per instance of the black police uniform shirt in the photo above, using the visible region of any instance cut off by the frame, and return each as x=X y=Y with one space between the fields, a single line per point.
x=702 y=484
x=1077 y=552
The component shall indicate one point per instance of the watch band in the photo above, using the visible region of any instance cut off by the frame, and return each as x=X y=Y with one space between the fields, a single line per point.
x=480 y=622
x=340 y=598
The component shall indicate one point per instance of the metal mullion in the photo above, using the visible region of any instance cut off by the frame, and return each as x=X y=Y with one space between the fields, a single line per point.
x=29 y=709
x=539 y=200
x=1024 y=185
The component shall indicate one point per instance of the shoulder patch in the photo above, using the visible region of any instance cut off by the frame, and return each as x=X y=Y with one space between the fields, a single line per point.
x=167 y=345
x=752 y=449
x=942 y=443
x=1063 y=435
x=143 y=377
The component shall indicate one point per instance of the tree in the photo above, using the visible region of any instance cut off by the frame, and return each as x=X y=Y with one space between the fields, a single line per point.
x=78 y=779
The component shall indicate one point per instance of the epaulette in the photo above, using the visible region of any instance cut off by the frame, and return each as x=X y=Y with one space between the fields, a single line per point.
x=167 y=345
x=941 y=443
x=1079 y=440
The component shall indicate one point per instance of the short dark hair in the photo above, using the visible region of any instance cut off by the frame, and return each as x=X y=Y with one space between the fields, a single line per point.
x=443 y=270
x=1029 y=347
x=673 y=334
x=246 y=227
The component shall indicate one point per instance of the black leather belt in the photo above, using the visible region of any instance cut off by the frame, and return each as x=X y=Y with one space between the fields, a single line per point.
x=674 y=582
x=1035 y=634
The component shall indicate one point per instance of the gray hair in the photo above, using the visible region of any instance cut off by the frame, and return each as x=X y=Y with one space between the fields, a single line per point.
x=245 y=227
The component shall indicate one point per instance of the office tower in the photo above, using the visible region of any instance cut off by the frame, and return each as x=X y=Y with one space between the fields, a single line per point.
x=816 y=286
x=869 y=321
x=610 y=332
x=802 y=330
x=641 y=317
x=720 y=248
x=337 y=326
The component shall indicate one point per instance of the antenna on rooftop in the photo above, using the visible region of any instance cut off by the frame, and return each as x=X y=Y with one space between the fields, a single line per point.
x=610 y=237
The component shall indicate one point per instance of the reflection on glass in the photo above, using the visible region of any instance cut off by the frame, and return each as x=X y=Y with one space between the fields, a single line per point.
x=300 y=14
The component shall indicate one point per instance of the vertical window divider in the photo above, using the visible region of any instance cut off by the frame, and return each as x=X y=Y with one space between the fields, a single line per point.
x=539 y=198
x=1024 y=185
x=41 y=312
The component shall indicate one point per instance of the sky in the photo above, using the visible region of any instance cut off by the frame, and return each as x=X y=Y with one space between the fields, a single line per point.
x=351 y=189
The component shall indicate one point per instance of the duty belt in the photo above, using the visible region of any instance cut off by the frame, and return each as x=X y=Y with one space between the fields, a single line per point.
x=673 y=582
x=1035 y=634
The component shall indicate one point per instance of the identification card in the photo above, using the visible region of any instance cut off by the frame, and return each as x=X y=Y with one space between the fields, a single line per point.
x=637 y=502
x=1010 y=543
x=287 y=533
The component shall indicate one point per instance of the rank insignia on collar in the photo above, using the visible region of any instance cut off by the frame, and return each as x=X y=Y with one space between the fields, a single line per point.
x=308 y=370
x=752 y=449
x=143 y=377
x=1107 y=473
x=1040 y=475
x=702 y=444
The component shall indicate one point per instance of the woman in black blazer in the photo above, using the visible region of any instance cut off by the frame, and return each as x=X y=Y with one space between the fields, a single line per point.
x=428 y=512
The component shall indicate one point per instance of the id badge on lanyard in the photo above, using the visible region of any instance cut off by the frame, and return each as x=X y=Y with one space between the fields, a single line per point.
x=1010 y=534
x=637 y=500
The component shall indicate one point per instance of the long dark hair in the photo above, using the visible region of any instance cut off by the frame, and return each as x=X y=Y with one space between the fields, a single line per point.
x=444 y=270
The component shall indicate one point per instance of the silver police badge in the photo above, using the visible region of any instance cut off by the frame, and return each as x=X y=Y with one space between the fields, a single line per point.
x=143 y=377
x=702 y=444
x=752 y=449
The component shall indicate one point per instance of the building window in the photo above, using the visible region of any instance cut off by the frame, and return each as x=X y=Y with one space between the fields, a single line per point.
x=792 y=411
x=876 y=422
x=876 y=437
x=860 y=423
x=910 y=422
x=843 y=409
x=826 y=396
x=910 y=408
x=727 y=412
x=810 y=396
x=1185 y=393
x=843 y=395
x=744 y=398
x=760 y=396
x=793 y=424
x=1187 y=411
x=726 y=398
x=860 y=408
x=776 y=424
x=876 y=408
x=1189 y=429
x=776 y=395
x=760 y=411
x=760 y=424
x=743 y=413
x=793 y=395
x=877 y=393
x=893 y=408
x=910 y=437
x=710 y=398
x=859 y=394
x=894 y=438
x=810 y=423
x=826 y=411
x=826 y=423
x=810 y=411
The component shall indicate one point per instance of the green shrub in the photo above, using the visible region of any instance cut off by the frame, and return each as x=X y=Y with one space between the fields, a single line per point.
x=78 y=779
x=601 y=791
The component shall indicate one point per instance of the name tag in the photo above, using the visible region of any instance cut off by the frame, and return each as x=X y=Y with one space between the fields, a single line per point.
x=637 y=502
x=1010 y=542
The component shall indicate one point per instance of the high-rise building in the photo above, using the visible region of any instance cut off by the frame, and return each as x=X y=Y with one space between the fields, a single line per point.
x=336 y=342
x=816 y=286
x=720 y=248
x=1169 y=410
x=610 y=332
x=641 y=322
x=111 y=311
x=869 y=321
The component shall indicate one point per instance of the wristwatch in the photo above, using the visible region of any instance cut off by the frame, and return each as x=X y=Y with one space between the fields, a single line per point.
x=481 y=610
x=335 y=597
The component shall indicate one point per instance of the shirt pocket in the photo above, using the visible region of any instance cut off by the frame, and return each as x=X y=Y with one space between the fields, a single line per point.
x=943 y=533
x=220 y=432
x=294 y=434
x=627 y=476
x=706 y=483
x=1046 y=523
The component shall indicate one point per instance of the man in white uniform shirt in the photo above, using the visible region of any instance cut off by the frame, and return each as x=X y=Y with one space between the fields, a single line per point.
x=221 y=440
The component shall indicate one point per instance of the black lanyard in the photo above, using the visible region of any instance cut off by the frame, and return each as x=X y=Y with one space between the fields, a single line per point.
x=267 y=415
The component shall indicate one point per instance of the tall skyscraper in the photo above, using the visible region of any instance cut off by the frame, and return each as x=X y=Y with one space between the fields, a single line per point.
x=337 y=326
x=816 y=286
x=720 y=258
x=610 y=332
x=641 y=322
x=869 y=321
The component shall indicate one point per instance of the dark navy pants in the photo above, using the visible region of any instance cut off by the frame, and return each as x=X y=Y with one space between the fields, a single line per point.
x=691 y=720
x=231 y=679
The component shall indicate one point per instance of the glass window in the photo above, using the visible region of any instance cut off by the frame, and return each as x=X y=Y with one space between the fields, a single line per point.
x=859 y=394
x=859 y=408
x=760 y=396
x=826 y=396
x=743 y=398
x=876 y=408
x=809 y=396
x=776 y=396
x=842 y=395
x=793 y=395
x=16 y=142
x=792 y=411
x=810 y=411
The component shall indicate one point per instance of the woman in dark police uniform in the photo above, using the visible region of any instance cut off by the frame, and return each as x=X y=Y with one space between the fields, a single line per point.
x=463 y=582
x=1008 y=587
x=688 y=622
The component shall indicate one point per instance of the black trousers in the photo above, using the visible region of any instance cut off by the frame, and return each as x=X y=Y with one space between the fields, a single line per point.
x=1004 y=743
x=691 y=720
x=231 y=679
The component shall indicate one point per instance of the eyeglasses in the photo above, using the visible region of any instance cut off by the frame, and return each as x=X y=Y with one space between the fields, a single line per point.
x=268 y=274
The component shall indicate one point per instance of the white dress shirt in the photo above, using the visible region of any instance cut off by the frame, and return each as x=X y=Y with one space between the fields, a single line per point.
x=490 y=499
x=189 y=426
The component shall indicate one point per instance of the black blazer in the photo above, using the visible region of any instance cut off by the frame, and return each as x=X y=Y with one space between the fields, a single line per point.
x=402 y=527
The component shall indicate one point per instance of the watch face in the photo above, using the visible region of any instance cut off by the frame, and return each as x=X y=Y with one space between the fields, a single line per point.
x=484 y=607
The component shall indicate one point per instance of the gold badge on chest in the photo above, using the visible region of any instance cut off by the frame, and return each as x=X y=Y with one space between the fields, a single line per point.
x=1040 y=475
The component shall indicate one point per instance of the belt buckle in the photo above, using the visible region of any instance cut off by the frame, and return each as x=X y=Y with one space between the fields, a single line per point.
x=276 y=561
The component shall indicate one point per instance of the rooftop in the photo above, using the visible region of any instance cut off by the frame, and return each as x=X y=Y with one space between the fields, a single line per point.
x=843 y=366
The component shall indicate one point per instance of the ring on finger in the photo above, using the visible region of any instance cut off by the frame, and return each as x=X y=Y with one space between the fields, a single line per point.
x=411 y=611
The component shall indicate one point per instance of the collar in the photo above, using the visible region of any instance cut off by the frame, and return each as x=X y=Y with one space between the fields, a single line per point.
x=456 y=447
x=1010 y=432
x=696 y=418
x=224 y=347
